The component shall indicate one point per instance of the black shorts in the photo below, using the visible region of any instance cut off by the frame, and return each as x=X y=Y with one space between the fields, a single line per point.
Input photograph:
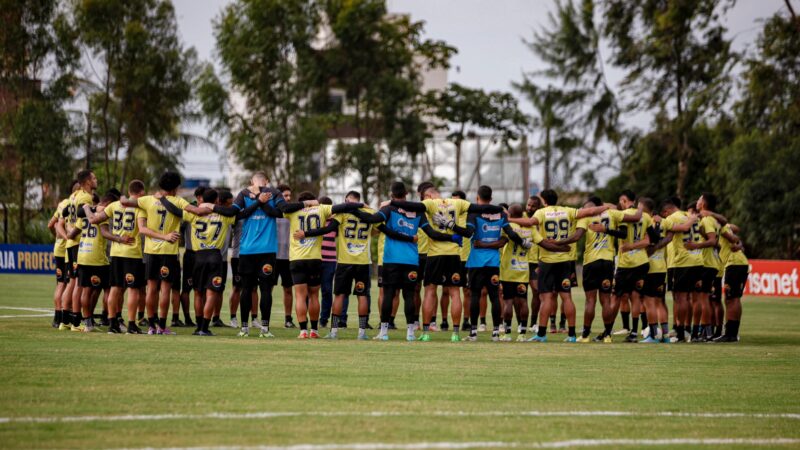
x=707 y=277
x=598 y=275
x=716 y=290
x=72 y=262
x=463 y=274
x=93 y=276
x=307 y=271
x=162 y=268
x=443 y=270
x=423 y=264
x=573 y=276
x=237 y=279
x=735 y=279
x=62 y=274
x=655 y=285
x=380 y=276
x=555 y=277
x=484 y=277
x=514 y=289
x=346 y=275
x=283 y=272
x=188 y=271
x=533 y=271
x=398 y=275
x=686 y=279
x=257 y=268
x=630 y=279
x=209 y=271
x=127 y=272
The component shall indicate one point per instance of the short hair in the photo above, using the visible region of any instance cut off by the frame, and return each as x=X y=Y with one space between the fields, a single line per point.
x=199 y=191
x=283 y=188
x=169 y=181
x=115 y=191
x=595 y=200
x=460 y=194
x=324 y=200
x=648 y=203
x=136 y=187
x=503 y=205
x=83 y=175
x=424 y=187
x=259 y=174
x=225 y=195
x=398 y=189
x=668 y=202
x=210 y=196
x=692 y=205
x=628 y=193
x=711 y=200
x=549 y=196
x=515 y=210
x=95 y=198
x=355 y=194
x=676 y=201
x=536 y=199
x=306 y=195
x=484 y=193
x=111 y=195
x=73 y=185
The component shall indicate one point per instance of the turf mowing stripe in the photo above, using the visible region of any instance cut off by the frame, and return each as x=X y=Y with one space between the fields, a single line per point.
x=492 y=444
x=17 y=316
x=269 y=415
x=19 y=308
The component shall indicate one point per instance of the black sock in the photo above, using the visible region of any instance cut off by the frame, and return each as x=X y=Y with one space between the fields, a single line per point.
x=732 y=328
x=433 y=319
x=643 y=318
x=680 y=333
x=57 y=316
x=206 y=323
x=315 y=324
x=562 y=322
x=483 y=320
x=626 y=320
x=586 y=332
x=391 y=320
x=140 y=315
x=508 y=325
x=553 y=321
x=653 y=330
x=609 y=327
x=199 y=324
x=362 y=321
x=162 y=322
x=334 y=321
x=76 y=319
x=635 y=325
x=542 y=331
x=151 y=321
x=304 y=325
x=174 y=317
x=571 y=332
x=131 y=325
x=255 y=316
x=215 y=319
x=287 y=318
x=233 y=317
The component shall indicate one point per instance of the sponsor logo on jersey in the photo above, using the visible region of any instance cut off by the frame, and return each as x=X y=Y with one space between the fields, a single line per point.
x=405 y=224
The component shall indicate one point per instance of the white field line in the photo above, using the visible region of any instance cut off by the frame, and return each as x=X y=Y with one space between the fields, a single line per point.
x=278 y=414
x=17 y=316
x=496 y=444
x=48 y=312
x=19 y=308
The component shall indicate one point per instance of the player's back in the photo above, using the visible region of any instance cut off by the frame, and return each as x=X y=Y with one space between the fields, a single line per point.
x=556 y=223
x=488 y=229
x=403 y=222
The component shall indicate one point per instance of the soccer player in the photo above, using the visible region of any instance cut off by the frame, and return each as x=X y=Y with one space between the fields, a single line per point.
x=448 y=216
x=59 y=253
x=423 y=244
x=233 y=301
x=161 y=247
x=208 y=235
x=400 y=255
x=187 y=284
x=127 y=267
x=555 y=270
x=598 y=264
x=655 y=289
x=282 y=270
x=352 y=264
x=93 y=265
x=533 y=204
x=328 y=271
x=71 y=300
x=709 y=233
x=305 y=255
x=465 y=289
x=687 y=264
x=736 y=271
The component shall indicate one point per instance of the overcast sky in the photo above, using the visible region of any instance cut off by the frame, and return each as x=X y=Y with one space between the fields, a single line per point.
x=487 y=33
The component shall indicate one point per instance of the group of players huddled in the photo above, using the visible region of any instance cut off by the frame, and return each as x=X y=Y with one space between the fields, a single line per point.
x=633 y=254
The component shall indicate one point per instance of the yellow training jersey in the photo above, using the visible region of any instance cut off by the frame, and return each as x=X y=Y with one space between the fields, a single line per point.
x=533 y=252
x=381 y=242
x=422 y=243
x=658 y=260
x=728 y=256
x=710 y=256
x=309 y=218
x=124 y=222
x=599 y=246
x=353 y=239
x=636 y=232
x=92 y=249
x=161 y=221
x=466 y=248
x=76 y=199
x=60 y=247
x=208 y=232
x=678 y=255
x=454 y=208
x=555 y=222
x=514 y=258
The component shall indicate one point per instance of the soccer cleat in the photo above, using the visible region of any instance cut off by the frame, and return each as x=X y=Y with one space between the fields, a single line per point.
x=472 y=338
x=265 y=334
x=243 y=333
x=501 y=328
x=331 y=336
x=255 y=323
x=114 y=330
x=381 y=337
x=234 y=322
x=608 y=340
x=197 y=333
x=455 y=338
x=673 y=340
x=666 y=340
x=303 y=334
x=505 y=338
x=189 y=323
x=362 y=337
x=63 y=327
x=631 y=339
x=622 y=332
x=217 y=323
x=725 y=339
x=289 y=324
x=425 y=337
x=205 y=333
x=177 y=324
x=571 y=339
x=369 y=327
x=495 y=337
x=649 y=340
x=433 y=328
x=151 y=331
x=80 y=328
x=553 y=329
x=537 y=338
x=482 y=328
x=444 y=326
x=133 y=329
x=314 y=334
x=519 y=328
x=584 y=340
x=392 y=326
x=646 y=332
x=535 y=328
x=521 y=338
x=166 y=332
x=142 y=322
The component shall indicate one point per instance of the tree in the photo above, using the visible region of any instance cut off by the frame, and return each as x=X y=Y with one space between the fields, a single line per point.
x=39 y=57
x=468 y=109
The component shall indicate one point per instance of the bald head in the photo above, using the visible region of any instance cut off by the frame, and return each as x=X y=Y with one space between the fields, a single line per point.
x=515 y=211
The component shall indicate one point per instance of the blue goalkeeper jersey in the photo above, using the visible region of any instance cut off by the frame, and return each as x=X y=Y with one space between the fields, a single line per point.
x=259 y=231
x=488 y=228
x=403 y=222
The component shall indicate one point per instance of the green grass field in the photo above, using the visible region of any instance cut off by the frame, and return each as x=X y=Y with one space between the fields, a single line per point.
x=74 y=390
